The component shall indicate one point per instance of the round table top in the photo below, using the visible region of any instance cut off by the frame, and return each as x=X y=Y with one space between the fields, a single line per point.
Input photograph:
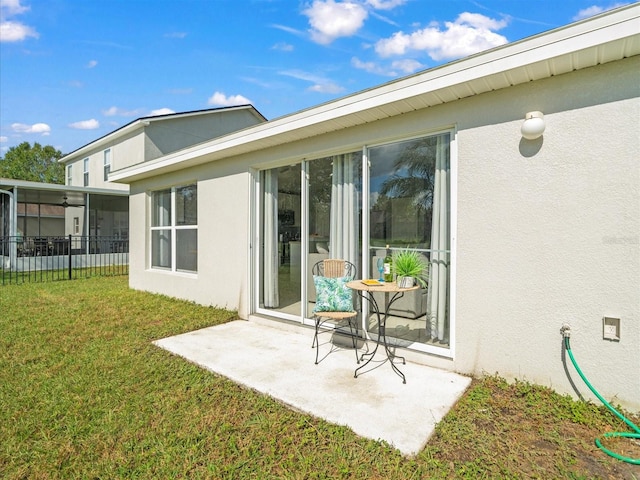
x=380 y=287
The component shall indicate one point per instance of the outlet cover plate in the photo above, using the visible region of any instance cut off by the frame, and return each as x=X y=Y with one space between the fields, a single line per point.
x=611 y=329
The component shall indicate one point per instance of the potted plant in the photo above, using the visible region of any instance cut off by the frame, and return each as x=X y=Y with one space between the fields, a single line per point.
x=410 y=266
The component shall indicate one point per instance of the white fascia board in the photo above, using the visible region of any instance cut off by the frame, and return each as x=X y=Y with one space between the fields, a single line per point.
x=591 y=33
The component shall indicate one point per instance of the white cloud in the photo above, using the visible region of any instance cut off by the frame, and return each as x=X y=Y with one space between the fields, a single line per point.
x=470 y=33
x=326 y=87
x=407 y=65
x=283 y=47
x=588 y=12
x=330 y=20
x=115 y=111
x=4 y=139
x=161 y=111
x=92 y=63
x=12 y=7
x=221 y=99
x=15 y=32
x=372 y=67
x=91 y=124
x=41 y=128
x=404 y=66
x=386 y=4
x=595 y=10
x=10 y=30
x=320 y=84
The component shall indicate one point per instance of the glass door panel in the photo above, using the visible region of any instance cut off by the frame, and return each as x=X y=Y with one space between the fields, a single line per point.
x=281 y=254
x=409 y=208
x=335 y=192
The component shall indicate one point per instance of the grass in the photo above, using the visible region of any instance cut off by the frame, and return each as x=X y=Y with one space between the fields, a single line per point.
x=85 y=394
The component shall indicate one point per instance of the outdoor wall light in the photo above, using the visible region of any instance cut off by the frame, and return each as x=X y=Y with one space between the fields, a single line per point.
x=533 y=126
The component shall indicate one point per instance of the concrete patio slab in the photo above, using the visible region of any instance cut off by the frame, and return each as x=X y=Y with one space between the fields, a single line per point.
x=280 y=363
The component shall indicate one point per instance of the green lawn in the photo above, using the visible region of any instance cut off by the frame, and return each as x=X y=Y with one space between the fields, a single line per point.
x=84 y=394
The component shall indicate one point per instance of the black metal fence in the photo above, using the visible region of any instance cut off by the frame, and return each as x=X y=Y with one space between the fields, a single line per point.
x=40 y=259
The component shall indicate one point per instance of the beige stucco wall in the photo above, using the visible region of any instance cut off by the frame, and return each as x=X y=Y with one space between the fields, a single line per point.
x=223 y=236
x=548 y=231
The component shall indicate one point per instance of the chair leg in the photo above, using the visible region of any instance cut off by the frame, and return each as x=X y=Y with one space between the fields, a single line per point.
x=316 y=342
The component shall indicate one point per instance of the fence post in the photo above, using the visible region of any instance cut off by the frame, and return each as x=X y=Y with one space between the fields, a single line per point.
x=69 y=256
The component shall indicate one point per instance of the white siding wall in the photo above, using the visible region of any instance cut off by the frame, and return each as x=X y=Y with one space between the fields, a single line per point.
x=548 y=231
x=173 y=134
x=124 y=153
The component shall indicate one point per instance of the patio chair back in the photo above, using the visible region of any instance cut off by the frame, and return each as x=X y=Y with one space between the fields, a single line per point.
x=334 y=268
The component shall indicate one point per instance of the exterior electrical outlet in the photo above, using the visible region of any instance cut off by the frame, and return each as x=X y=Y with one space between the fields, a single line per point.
x=611 y=328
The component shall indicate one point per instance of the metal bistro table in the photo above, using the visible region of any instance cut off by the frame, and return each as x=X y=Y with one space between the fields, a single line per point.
x=387 y=288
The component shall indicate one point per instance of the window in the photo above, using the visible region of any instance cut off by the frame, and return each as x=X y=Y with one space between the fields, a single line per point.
x=174 y=229
x=107 y=164
x=69 y=174
x=76 y=225
x=86 y=171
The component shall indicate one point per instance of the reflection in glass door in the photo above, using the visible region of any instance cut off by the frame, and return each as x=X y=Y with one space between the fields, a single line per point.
x=335 y=192
x=409 y=208
x=281 y=243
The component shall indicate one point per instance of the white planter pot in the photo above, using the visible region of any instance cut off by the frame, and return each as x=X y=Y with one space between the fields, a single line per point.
x=405 y=282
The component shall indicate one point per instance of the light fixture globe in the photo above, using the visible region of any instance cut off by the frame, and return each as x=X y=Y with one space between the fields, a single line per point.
x=533 y=126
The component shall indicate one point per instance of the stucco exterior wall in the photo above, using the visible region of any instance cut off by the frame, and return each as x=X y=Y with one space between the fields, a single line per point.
x=223 y=238
x=547 y=231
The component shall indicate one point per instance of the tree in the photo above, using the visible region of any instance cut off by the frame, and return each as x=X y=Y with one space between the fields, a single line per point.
x=37 y=163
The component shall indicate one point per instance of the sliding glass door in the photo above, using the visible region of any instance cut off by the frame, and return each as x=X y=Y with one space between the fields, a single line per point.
x=318 y=209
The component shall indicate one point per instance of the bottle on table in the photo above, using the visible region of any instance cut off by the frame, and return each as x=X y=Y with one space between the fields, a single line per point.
x=388 y=261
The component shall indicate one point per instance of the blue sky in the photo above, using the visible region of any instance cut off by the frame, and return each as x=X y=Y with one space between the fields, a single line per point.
x=72 y=71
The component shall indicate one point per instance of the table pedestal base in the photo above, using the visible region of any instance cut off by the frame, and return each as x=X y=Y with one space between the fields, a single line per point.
x=382 y=335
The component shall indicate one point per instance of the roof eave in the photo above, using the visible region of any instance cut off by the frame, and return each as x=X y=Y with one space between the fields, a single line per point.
x=619 y=25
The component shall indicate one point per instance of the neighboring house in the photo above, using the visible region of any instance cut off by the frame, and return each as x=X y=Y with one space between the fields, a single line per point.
x=523 y=234
x=91 y=205
x=148 y=138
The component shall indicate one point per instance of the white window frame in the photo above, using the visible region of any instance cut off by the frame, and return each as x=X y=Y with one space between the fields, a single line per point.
x=69 y=174
x=172 y=228
x=85 y=171
x=107 y=164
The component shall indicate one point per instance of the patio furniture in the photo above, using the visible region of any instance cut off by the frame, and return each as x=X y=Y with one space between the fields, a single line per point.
x=334 y=301
x=369 y=288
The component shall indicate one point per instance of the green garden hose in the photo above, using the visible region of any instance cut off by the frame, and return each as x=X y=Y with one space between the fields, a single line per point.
x=635 y=461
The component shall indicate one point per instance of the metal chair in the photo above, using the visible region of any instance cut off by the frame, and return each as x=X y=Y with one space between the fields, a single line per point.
x=335 y=268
